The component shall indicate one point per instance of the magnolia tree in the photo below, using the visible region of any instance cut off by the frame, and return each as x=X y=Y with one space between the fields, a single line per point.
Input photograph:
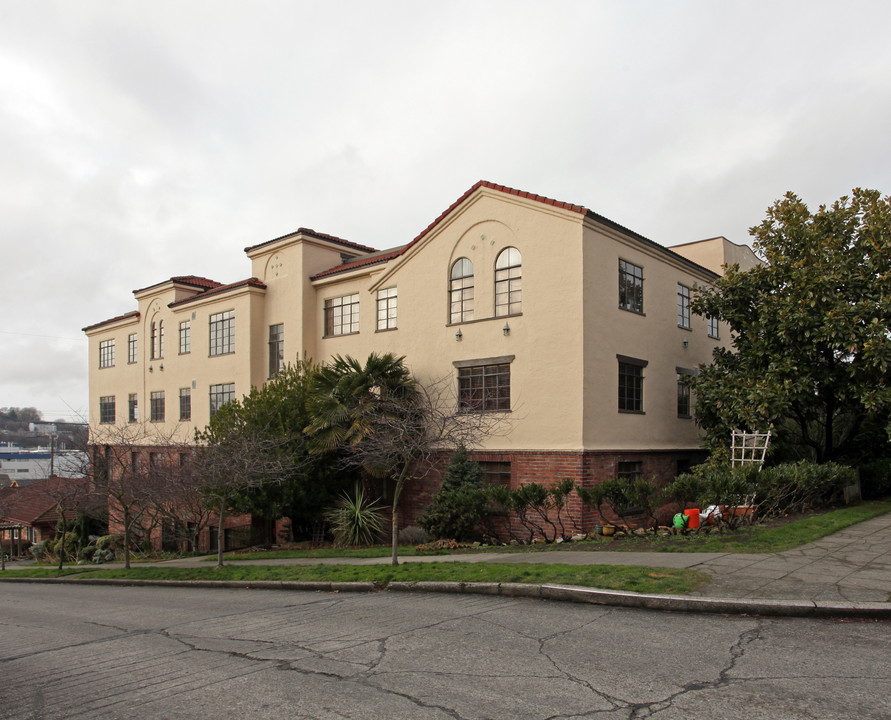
x=811 y=346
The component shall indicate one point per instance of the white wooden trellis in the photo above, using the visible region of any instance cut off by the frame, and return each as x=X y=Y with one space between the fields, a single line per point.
x=749 y=447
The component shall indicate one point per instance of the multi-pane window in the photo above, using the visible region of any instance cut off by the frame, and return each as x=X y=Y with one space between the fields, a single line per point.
x=132 y=408
x=683 y=307
x=185 y=337
x=630 y=286
x=461 y=291
x=132 y=348
x=484 y=388
x=713 y=327
x=106 y=353
x=508 y=282
x=185 y=403
x=386 y=309
x=220 y=395
x=629 y=470
x=342 y=315
x=158 y=340
x=222 y=333
x=106 y=409
x=631 y=384
x=496 y=473
x=156 y=406
x=276 y=349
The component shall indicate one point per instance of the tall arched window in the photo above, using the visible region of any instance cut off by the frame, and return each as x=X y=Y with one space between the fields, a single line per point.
x=157 y=340
x=461 y=291
x=508 y=282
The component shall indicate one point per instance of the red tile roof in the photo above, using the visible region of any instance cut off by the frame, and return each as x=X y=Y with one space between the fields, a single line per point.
x=320 y=236
x=368 y=260
x=250 y=282
x=194 y=280
x=125 y=316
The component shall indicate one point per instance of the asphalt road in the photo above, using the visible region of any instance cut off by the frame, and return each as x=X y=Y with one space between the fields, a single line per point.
x=99 y=652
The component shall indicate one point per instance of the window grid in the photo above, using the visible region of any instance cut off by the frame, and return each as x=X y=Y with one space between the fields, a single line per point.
x=461 y=291
x=132 y=408
x=484 y=388
x=132 y=348
x=683 y=307
x=158 y=340
x=630 y=387
x=185 y=337
x=276 y=349
x=106 y=353
x=713 y=328
x=156 y=406
x=106 y=409
x=630 y=287
x=185 y=404
x=220 y=395
x=386 y=309
x=508 y=282
x=342 y=315
x=222 y=333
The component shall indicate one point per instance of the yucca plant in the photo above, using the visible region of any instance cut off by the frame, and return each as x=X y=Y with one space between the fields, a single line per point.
x=355 y=520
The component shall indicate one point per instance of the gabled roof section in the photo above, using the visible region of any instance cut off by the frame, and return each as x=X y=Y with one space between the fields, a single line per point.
x=366 y=261
x=221 y=289
x=195 y=281
x=34 y=503
x=111 y=321
x=318 y=236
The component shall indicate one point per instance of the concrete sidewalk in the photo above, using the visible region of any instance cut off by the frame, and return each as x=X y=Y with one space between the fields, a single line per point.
x=847 y=573
x=850 y=567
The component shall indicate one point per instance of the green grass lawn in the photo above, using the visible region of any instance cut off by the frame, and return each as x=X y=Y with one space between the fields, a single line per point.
x=634 y=579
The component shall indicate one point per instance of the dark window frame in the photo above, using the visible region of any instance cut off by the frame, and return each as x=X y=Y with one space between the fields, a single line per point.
x=461 y=293
x=484 y=385
x=221 y=327
x=220 y=394
x=185 y=337
x=713 y=327
x=185 y=404
x=106 y=353
x=387 y=306
x=157 y=406
x=631 y=281
x=132 y=348
x=342 y=315
x=133 y=408
x=106 y=410
x=509 y=282
x=276 y=349
x=630 y=384
x=683 y=306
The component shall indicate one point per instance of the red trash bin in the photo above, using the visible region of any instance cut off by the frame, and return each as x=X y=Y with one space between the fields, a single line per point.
x=692 y=518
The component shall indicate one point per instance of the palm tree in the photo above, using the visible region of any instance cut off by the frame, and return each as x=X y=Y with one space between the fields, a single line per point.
x=376 y=413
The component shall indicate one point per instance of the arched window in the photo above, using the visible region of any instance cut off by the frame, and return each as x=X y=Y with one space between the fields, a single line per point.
x=157 y=340
x=461 y=291
x=508 y=282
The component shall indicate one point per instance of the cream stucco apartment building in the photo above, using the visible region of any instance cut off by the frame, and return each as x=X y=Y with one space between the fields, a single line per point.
x=575 y=326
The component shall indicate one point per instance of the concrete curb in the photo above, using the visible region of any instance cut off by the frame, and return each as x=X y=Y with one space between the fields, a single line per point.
x=563 y=593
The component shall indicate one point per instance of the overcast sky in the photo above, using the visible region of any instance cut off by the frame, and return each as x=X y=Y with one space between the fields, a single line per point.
x=142 y=140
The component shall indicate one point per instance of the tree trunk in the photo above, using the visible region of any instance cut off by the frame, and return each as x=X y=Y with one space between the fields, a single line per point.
x=397 y=493
x=62 y=544
x=126 y=539
x=220 y=536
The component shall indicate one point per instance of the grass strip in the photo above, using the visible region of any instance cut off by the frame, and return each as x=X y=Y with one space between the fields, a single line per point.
x=609 y=577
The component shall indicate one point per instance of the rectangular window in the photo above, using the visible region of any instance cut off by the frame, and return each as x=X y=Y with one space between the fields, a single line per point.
x=685 y=404
x=132 y=348
x=629 y=470
x=496 y=473
x=185 y=404
x=185 y=337
x=220 y=395
x=106 y=353
x=132 y=408
x=156 y=406
x=630 y=287
x=683 y=396
x=713 y=327
x=276 y=349
x=106 y=409
x=683 y=307
x=631 y=384
x=342 y=315
x=484 y=388
x=386 y=309
x=222 y=333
